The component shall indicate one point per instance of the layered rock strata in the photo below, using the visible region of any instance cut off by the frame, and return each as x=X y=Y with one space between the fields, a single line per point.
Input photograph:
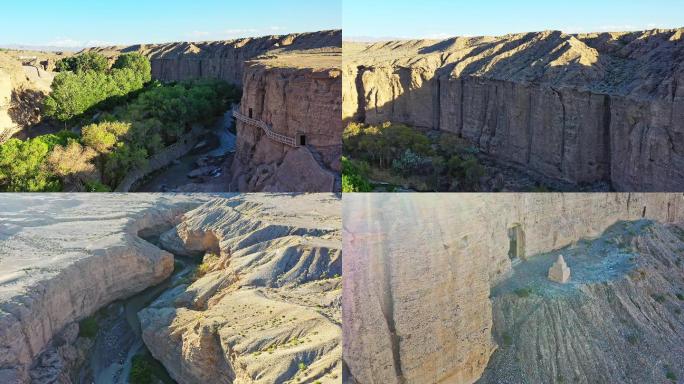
x=582 y=108
x=268 y=308
x=22 y=89
x=298 y=97
x=419 y=269
x=224 y=60
x=62 y=258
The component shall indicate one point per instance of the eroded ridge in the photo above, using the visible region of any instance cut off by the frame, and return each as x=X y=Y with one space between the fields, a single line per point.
x=268 y=307
x=443 y=288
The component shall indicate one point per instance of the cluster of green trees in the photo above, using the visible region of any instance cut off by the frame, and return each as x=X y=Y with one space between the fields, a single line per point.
x=86 y=81
x=442 y=160
x=124 y=135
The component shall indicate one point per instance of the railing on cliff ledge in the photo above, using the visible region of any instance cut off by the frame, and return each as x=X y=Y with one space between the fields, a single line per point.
x=267 y=129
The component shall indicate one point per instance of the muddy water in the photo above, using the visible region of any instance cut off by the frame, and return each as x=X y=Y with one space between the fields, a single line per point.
x=119 y=338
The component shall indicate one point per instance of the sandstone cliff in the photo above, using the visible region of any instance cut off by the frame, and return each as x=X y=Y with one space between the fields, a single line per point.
x=581 y=108
x=22 y=88
x=268 y=308
x=62 y=258
x=225 y=59
x=298 y=96
x=416 y=305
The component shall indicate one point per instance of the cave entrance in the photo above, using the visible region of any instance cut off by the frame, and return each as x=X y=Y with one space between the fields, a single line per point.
x=516 y=243
x=250 y=113
x=302 y=140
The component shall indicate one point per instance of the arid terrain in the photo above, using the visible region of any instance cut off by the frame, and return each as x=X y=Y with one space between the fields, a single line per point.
x=453 y=288
x=572 y=111
x=170 y=288
x=287 y=136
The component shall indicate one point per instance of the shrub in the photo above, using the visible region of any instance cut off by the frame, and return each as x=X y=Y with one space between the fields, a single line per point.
x=88 y=327
x=103 y=136
x=507 y=339
x=669 y=374
x=410 y=163
x=141 y=371
x=523 y=292
x=207 y=264
x=96 y=186
x=354 y=178
x=73 y=164
x=121 y=160
x=21 y=167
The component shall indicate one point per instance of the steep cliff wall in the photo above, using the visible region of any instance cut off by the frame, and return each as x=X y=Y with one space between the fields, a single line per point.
x=582 y=108
x=416 y=304
x=60 y=267
x=298 y=96
x=22 y=89
x=224 y=59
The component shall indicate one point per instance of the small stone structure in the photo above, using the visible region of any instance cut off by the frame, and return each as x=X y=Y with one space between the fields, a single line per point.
x=559 y=271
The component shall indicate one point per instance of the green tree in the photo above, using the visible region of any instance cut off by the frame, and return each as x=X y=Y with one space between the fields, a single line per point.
x=353 y=178
x=21 y=167
x=136 y=62
x=89 y=61
x=103 y=136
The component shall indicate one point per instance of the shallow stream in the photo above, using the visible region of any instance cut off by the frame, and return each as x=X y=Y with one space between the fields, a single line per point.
x=119 y=336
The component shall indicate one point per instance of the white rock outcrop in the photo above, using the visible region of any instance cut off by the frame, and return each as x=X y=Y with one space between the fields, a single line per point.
x=559 y=271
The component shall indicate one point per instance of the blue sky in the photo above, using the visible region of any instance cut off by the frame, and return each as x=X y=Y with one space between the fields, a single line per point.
x=96 y=22
x=364 y=19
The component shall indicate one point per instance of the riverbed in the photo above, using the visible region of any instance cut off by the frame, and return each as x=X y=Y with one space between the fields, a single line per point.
x=119 y=337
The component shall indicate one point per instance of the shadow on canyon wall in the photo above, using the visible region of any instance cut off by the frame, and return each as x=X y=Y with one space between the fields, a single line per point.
x=558 y=106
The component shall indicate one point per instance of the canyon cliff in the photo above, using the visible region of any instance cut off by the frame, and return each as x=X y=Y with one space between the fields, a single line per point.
x=587 y=108
x=299 y=97
x=24 y=82
x=63 y=259
x=263 y=307
x=292 y=84
x=268 y=309
x=416 y=300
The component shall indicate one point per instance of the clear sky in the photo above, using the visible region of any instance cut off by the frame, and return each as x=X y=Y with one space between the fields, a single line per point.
x=74 y=23
x=438 y=19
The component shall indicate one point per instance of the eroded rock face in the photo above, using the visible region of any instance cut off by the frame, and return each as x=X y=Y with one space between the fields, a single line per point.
x=64 y=256
x=298 y=96
x=617 y=320
x=22 y=89
x=223 y=60
x=581 y=108
x=268 y=308
x=419 y=267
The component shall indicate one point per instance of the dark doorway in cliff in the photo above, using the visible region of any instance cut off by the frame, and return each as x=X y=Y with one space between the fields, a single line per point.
x=643 y=213
x=250 y=113
x=301 y=140
x=516 y=243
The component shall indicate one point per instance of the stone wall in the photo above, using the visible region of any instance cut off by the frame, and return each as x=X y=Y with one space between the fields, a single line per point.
x=418 y=270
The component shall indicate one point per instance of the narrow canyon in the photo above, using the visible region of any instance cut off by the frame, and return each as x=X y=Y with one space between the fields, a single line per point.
x=284 y=135
x=181 y=288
